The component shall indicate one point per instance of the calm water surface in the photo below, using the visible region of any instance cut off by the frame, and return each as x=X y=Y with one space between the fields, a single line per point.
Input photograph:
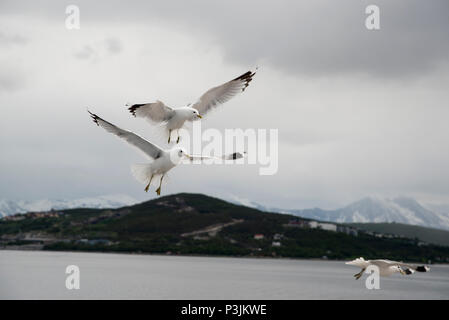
x=41 y=275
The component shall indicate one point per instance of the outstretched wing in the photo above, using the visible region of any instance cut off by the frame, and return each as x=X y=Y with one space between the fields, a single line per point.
x=409 y=268
x=359 y=262
x=218 y=95
x=155 y=112
x=150 y=149
x=232 y=156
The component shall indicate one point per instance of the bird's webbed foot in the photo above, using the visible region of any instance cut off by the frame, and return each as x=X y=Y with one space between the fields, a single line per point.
x=148 y=185
x=357 y=276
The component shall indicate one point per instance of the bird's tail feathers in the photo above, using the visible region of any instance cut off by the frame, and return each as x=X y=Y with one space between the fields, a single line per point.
x=142 y=172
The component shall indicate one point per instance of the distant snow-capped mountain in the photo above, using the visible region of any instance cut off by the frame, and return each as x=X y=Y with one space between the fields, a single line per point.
x=373 y=209
x=370 y=209
x=248 y=203
x=9 y=207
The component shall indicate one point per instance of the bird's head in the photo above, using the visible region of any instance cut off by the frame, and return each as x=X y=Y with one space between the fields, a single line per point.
x=177 y=154
x=399 y=269
x=193 y=114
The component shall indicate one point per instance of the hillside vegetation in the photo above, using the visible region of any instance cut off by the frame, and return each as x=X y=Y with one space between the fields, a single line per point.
x=198 y=224
x=430 y=235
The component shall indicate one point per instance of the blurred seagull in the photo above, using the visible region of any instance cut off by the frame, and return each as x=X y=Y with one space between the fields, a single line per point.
x=386 y=267
x=161 y=160
x=174 y=118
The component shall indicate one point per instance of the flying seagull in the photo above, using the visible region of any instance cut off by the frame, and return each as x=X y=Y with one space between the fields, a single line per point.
x=386 y=267
x=161 y=160
x=174 y=118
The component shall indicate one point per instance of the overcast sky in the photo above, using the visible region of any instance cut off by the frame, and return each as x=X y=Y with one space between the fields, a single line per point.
x=359 y=112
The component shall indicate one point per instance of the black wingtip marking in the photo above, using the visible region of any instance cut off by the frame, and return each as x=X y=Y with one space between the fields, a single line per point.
x=237 y=155
x=422 y=269
x=246 y=77
x=94 y=117
x=134 y=107
x=408 y=271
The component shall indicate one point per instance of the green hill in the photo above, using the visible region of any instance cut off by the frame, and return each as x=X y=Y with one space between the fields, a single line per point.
x=198 y=224
x=430 y=235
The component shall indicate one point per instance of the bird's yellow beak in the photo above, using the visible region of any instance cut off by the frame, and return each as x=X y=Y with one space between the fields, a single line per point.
x=188 y=156
x=199 y=116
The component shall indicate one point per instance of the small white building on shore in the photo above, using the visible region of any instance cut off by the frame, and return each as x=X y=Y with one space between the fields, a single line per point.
x=323 y=226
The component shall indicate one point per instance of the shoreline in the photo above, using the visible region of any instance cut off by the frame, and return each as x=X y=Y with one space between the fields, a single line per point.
x=199 y=256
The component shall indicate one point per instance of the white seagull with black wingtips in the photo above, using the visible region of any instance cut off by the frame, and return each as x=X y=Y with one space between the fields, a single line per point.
x=160 y=160
x=174 y=118
x=386 y=267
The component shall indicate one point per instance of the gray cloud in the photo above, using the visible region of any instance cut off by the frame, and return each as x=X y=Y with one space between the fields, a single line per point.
x=344 y=131
x=315 y=38
x=113 y=45
x=85 y=53
x=12 y=76
x=7 y=39
x=93 y=52
x=8 y=83
x=11 y=79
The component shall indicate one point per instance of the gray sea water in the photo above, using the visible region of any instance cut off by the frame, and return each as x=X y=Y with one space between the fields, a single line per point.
x=41 y=275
